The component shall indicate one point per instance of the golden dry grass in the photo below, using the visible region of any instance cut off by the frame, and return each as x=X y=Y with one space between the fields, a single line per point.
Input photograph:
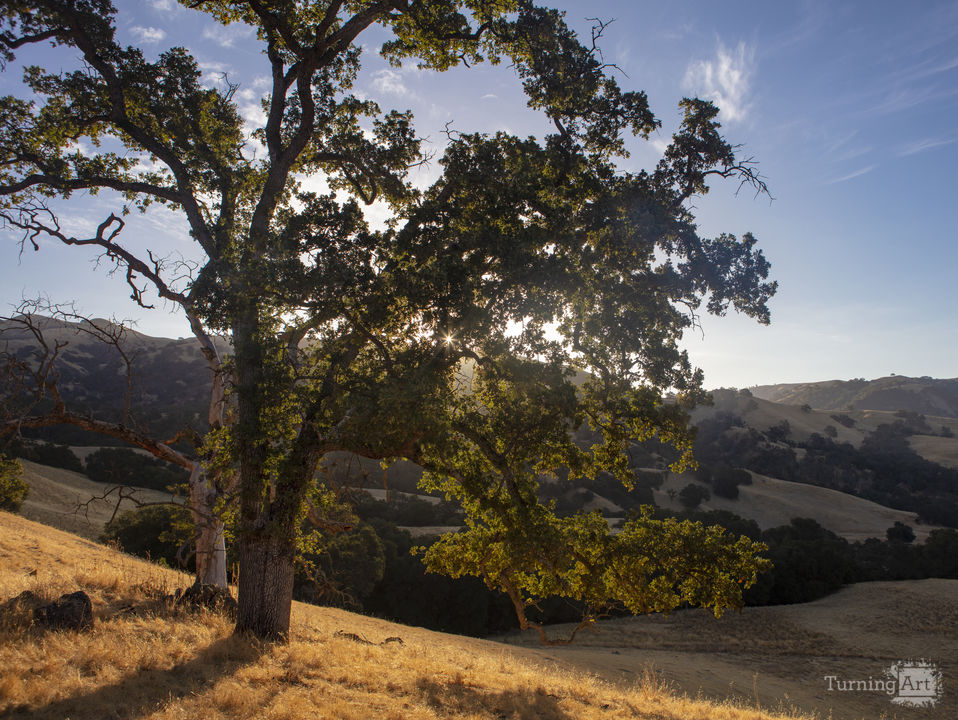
x=144 y=659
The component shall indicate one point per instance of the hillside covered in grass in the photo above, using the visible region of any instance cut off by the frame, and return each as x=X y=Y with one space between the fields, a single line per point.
x=146 y=659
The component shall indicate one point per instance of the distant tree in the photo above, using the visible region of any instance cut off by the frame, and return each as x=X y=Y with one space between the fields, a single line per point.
x=123 y=466
x=843 y=419
x=49 y=454
x=779 y=432
x=947 y=432
x=806 y=408
x=13 y=488
x=899 y=532
x=831 y=431
x=726 y=479
x=157 y=532
x=693 y=494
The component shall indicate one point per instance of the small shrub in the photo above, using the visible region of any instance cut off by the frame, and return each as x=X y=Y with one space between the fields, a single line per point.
x=692 y=495
x=843 y=419
x=831 y=431
x=13 y=488
x=158 y=532
x=899 y=532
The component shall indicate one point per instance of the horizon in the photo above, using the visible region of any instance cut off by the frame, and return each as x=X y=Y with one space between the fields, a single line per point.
x=846 y=109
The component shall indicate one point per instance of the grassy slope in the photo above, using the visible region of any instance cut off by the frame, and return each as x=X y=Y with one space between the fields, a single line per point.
x=772 y=653
x=771 y=502
x=154 y=662
x=56 y=494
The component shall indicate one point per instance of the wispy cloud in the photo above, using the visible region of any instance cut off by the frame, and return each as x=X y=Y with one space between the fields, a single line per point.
x=147 y=34
x=851 y=175
x=389 y=82
x=227 y=35
x=163 y=5
x=918 y=146
x=726 y=80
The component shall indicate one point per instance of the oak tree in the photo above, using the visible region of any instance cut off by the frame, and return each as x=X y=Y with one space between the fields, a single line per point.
x=533 y=289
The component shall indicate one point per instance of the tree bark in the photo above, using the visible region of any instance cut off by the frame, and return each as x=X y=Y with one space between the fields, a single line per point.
x=265 y=586
x=210 y=543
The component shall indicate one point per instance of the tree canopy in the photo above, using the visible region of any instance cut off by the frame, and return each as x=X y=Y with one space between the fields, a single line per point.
x=531 y=289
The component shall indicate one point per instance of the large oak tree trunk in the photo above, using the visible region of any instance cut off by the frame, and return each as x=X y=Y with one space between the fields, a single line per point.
x=265 y=586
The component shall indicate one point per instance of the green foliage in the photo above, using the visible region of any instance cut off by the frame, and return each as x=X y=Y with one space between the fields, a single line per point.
x=162 y=533
x=122 y=466
x=13 y=488
x=651 y=565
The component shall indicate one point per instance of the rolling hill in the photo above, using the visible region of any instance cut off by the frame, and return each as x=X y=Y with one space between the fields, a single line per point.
x=924 y=395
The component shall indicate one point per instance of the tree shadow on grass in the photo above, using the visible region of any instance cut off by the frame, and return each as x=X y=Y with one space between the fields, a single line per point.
x=145 y=691
x=456 y=699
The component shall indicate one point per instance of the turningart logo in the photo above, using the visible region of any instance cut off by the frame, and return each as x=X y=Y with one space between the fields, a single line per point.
x=913 y=683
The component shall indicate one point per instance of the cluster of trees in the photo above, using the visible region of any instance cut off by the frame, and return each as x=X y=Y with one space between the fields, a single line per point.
x=400 y=342
x=377 y=570
x=884 y=469
x=113 y=466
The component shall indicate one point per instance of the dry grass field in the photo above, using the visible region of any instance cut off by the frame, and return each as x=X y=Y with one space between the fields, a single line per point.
x=56 y=494
x=779 y=657
x=144 y=659
x=771 y=502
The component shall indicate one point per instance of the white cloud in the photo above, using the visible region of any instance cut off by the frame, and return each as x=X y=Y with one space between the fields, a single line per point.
x=913 y=148
x=163 y=5
x=389 y=82
x=227 y=35
x=659 y=144
x=724 y=80
x=147 y=34
x=857 y=173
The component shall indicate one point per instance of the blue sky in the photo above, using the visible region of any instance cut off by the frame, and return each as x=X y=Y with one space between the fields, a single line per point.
x=850 y=109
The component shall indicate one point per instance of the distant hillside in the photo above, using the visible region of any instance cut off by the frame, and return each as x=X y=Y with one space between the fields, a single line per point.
x=171 y=380
x=924 y=395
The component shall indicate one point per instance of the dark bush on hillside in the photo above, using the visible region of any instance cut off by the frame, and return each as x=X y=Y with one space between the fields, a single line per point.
x=809 y=562
x=122 y=466
x=831 y=431
x=940 y=552
x=692 y=495
x=13 y=488
x=899 y=532
x=158 y=532
x=946 y=432
x=843 y=419
x=343 y=571
x=407 y=510
x=915 y=422
x=59 y=456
